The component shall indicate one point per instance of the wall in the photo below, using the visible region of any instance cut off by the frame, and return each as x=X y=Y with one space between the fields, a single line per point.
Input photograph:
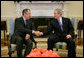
x=8 y=9
x=75 y=9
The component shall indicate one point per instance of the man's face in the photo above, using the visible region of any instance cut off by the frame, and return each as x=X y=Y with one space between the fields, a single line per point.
x=56 y=15
x=27 y=15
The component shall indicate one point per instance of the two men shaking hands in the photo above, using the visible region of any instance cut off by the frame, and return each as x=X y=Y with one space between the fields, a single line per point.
x=63 y=32
x=37 y=33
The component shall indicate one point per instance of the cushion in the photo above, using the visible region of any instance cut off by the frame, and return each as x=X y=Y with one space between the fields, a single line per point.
x=61 y=45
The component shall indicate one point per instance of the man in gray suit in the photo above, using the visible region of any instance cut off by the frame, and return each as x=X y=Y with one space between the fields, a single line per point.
x=23 y=33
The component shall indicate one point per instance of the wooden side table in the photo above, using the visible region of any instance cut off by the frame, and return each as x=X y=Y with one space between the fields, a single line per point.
x=4 y=28
x=80 y=28
x=42 y=28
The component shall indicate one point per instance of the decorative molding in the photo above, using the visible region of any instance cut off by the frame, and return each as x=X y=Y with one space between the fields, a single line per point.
x=40 y=6
x=21 y=1
x=18 y=9
x=42 y=1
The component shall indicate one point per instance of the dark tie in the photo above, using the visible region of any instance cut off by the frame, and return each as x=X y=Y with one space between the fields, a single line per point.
x=27 y=23
x=61 y=26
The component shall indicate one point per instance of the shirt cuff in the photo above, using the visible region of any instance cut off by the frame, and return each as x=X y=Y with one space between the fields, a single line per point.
x=33 y=31
x=42 y=33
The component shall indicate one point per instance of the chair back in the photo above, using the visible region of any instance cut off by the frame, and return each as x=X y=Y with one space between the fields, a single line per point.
x=77 y=26
x=72 y=21
x=11 y=23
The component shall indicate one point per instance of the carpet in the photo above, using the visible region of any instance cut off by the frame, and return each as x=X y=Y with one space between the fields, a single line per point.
x=42 y=43
x=62 y=53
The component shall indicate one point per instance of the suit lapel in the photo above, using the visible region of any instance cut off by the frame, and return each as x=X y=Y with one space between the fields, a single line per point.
x=23 y=21
x=63 y=22
x=58 y=24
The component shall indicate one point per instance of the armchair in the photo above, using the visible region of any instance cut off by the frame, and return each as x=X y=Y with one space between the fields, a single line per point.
x=10 y=31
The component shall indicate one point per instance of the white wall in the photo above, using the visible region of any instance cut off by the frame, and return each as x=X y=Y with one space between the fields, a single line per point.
x=75 y=9
x=8 y=9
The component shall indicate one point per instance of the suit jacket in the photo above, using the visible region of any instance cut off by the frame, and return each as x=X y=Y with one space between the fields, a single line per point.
x=67 y=28
x=21 y=29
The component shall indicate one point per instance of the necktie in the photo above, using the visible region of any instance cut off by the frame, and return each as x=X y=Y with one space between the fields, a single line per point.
x=61 y=26
x=27 y=23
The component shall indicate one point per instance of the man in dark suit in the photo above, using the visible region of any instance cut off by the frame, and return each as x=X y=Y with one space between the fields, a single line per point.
x=23 y=33
x=63 y=32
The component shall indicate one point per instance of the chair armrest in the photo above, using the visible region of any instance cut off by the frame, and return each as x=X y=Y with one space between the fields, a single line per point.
x=8 y=38
x=7 y=34
x=75 y=35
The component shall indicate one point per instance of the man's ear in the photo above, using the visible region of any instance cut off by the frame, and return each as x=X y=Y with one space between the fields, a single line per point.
x=24 y=14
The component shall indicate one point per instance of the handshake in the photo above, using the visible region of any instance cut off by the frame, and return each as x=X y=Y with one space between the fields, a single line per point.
x=38 y=33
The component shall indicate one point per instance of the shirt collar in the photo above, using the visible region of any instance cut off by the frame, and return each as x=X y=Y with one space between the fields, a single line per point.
x=24 y=18
x=60 y=18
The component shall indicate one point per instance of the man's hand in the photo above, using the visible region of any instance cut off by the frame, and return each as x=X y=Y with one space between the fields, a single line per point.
x=38 y=33
x=68 y=36
x=27 y=36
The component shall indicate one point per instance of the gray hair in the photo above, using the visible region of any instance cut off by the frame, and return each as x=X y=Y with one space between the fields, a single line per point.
x=59 y=11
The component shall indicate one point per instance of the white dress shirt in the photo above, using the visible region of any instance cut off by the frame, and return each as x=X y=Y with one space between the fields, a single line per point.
x=60 y=19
